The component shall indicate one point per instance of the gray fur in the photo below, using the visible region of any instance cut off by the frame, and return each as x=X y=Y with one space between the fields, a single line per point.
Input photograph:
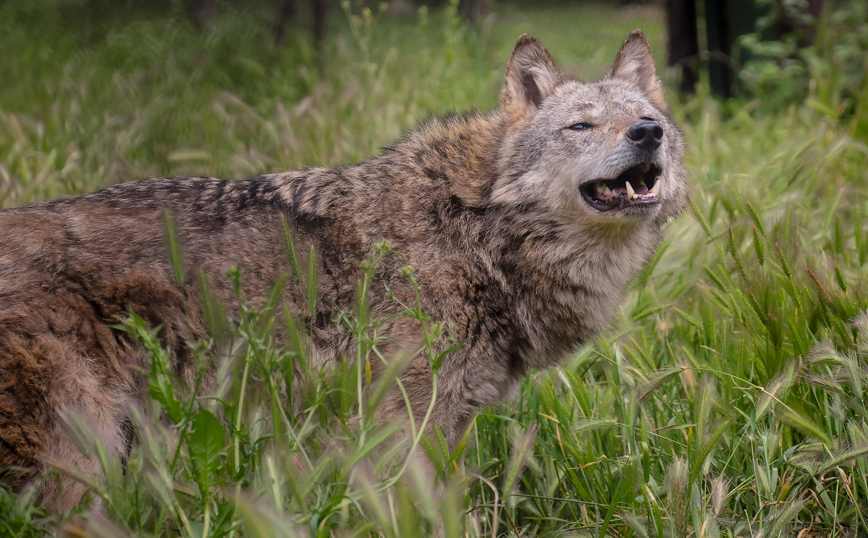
x=485 y=207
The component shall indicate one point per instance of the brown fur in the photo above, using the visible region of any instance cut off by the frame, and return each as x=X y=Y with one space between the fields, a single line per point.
x=485 y=207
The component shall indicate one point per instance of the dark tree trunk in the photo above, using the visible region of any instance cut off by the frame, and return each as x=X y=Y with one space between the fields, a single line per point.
x=682 y=42
x=287 y=13
x=201 y=11
x=319 y=33
x=717 y=27
x=473 y=10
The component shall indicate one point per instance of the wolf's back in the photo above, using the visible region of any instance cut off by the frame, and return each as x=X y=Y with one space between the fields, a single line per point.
x=72 y=268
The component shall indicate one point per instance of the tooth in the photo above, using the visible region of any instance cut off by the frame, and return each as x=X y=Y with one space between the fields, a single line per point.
x=631 y=194
x=608 y=191
x=655 y=190
x=601 y=187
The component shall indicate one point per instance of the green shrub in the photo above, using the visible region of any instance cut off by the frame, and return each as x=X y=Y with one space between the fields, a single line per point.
x=829 y=76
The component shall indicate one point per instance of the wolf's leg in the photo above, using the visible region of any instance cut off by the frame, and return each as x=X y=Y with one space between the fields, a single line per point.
x=93 y=407
x=104 y=425
x=41 y=376
x=64 y=492
x=52 y=379
x=463 y=389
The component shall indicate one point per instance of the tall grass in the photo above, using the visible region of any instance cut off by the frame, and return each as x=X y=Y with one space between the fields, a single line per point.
x=728 y=398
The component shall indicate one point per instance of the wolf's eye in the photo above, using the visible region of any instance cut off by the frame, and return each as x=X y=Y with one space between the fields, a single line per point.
x=580 y=126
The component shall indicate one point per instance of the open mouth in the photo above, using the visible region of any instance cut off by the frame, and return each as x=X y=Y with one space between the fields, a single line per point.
x=638 y=185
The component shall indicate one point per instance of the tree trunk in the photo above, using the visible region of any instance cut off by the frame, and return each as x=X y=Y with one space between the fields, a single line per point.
x=287 y=13
x=682 y=42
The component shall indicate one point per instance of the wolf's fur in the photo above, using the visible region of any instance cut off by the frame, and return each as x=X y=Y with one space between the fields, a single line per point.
x=485 y=207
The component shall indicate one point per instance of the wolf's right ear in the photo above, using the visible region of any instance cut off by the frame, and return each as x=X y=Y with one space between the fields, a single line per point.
x=531 y=76
x=635 y=64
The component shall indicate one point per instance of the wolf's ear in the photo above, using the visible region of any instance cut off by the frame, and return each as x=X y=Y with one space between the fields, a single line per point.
x=635 y=64
x=531 y=76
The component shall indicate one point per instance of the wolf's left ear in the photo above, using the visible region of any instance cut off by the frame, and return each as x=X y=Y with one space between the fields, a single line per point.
x=531 y=76
x=635 y=64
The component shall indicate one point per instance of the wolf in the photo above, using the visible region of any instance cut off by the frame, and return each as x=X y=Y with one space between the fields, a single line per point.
x=523 y=226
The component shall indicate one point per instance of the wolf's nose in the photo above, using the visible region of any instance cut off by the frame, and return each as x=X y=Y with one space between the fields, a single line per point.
x=645 y=134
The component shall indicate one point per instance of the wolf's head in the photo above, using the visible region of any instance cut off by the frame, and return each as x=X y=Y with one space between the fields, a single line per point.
x=599 y=153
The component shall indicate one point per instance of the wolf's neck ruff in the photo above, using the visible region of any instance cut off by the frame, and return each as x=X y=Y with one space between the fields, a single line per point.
x=523 y=225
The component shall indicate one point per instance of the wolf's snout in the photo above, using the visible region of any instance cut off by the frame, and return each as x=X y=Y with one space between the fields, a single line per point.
x=645 y=134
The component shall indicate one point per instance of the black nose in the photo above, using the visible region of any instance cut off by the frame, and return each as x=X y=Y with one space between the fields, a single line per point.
x=645 y=134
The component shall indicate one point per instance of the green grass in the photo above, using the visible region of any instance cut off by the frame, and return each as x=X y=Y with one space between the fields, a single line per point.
x=728 y=398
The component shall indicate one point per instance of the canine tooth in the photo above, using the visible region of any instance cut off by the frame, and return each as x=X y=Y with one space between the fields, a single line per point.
x=631 y=194
x=655 y=190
